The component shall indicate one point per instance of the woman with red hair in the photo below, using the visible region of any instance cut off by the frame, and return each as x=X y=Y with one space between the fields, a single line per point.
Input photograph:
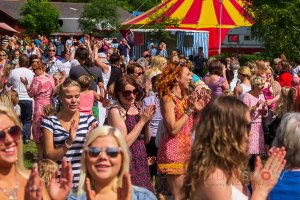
x=178 y=115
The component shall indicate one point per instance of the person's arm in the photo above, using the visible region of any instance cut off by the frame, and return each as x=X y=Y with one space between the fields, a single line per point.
x=56 y=154
x=225 y=85
x=147 y=133
x=168 y=114
x=102 y=65
x=117 y=121
x=237 y=91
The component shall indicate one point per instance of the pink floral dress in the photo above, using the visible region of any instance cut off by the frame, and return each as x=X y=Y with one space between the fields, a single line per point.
x=256 y=137
x=41 y=90
x=174 y=151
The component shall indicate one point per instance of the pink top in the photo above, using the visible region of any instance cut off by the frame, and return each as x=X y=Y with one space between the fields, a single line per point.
x=86 y=102
x=251 y=101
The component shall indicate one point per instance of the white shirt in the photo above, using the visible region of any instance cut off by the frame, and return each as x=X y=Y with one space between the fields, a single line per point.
x=66 y=67
x=17 y=85
x=54 y=66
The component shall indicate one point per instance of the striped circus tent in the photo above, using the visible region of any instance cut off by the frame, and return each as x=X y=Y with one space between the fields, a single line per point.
x=205 y=15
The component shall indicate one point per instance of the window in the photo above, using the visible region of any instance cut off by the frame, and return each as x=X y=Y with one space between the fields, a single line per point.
x=247 y=37
x=188 y=40
x=233 y=38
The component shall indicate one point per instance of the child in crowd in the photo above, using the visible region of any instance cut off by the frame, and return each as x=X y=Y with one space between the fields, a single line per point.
x=46 y=168
x=87 y=96
x=14 y=99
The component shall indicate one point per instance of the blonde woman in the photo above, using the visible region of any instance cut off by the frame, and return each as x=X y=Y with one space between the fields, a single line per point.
x=15 y=181
x=218 y=165
x=105 y=167
x=244 y=75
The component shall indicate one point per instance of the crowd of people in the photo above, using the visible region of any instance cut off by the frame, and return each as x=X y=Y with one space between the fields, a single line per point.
x=109 y=126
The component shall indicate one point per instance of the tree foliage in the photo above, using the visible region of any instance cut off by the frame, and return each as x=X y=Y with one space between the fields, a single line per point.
x=39 y=16
x=101 y=14
x=139 y=5
x=277 y=24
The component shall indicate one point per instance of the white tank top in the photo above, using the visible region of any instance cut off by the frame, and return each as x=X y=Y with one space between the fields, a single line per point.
x=245 y=90
x=238 y=195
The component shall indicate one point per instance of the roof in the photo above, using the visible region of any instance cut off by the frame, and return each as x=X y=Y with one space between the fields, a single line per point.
x=67 y=10
x=194 y=14
x=6 y=28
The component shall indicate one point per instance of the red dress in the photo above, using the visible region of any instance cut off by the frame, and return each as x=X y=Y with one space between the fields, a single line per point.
x=41 y=89
x=174 y=151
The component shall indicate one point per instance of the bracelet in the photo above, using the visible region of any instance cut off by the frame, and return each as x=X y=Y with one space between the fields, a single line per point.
x=68 y=146
x=188 y=112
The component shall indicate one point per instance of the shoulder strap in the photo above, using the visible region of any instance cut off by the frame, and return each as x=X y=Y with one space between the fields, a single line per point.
x=91 y=75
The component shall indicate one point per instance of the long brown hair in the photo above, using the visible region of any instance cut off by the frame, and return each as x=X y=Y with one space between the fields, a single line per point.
x=219 y=143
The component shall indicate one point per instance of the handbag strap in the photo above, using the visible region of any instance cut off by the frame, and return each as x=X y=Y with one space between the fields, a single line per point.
x=92 y=75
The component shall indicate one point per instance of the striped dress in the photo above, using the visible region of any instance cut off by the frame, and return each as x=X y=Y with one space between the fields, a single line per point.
x=52 y=124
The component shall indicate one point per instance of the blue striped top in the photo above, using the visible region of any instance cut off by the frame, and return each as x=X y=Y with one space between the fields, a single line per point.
x=73 y=155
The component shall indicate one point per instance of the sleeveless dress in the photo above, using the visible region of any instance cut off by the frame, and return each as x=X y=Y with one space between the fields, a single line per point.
x=138 y=169
x=86 y=102
x=216 y=88
x=174 y=151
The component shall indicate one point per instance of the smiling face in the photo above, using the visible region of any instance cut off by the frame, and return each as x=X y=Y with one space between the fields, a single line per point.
x=104 y=169
x=70 y=98
x=128 y=95
x=9 y=147
x=185 y=78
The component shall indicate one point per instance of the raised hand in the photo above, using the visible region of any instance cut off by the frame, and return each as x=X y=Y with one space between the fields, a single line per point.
x=265 y=177
x=90 y=193
x=73 y=130
x=24 y=80
x=148 y=113
x=125 y=192
x=33 y=188
x=60 y=188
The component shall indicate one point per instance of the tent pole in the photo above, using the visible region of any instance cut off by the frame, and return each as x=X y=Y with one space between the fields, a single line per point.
x=220 y=31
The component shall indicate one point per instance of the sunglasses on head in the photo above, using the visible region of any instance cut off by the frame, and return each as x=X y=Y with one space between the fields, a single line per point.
x=111 y=152
x=127 y=93
x=14 y=132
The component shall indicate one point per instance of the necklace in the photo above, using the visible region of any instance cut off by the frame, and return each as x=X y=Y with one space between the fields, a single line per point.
x=177 y=96
x=13 y=194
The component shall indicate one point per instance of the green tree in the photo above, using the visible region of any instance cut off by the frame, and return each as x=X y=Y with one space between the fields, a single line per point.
x=39 y=16
x=277 y=24
x=101 y=14
x=139 y=5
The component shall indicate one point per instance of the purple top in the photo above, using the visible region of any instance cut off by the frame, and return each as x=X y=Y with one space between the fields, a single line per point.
x=153 y=100
x=216 y=88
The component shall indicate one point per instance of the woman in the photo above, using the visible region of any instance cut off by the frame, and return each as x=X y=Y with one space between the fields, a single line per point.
x=103 y=174
x=127 y=116
x=255 y=100
x=216 y=80
x=288 y=135
x=214 y=172
x=15 y=58
x=42 y=91
x=177 y=112
x=15 y=181
x=285 y=77
x=65 y=132
x=3 y=59
x=244 y=75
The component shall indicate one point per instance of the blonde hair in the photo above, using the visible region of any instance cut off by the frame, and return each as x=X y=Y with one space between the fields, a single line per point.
x=257 y=82
x=245 y=71
x=7 y=70
x=38 y=65
x=158 y=62
x=46 y=168
x=4 y=99
x=253 y=67
x=67 y=83
x=285 y=103
x=49 y=110
x=13 y=96
x=8 y=111
x=102 y=132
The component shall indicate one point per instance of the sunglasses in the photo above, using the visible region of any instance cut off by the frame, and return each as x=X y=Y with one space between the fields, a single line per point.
x=51 y=50
x=14 y=132
x=127 y=93
x=2 y=55
x=140 y=73
x=111 y=152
